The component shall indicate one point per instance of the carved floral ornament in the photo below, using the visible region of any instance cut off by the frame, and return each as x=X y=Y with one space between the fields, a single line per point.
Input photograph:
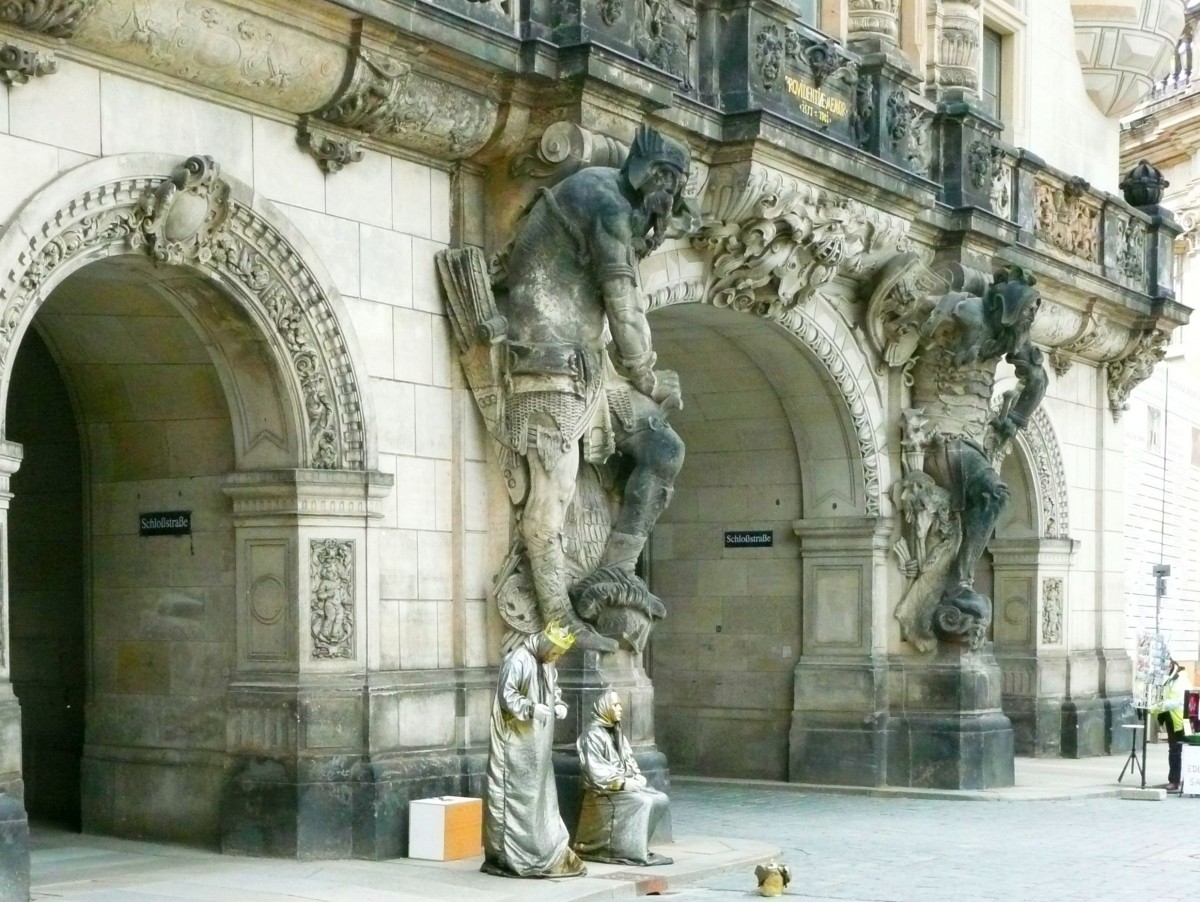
x=57 y=18
x=191 y=219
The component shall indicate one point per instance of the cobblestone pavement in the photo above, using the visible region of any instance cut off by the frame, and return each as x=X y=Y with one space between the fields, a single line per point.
x=862 y=849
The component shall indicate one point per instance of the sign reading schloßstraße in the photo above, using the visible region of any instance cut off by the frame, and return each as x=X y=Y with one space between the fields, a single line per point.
x=165 y=523
x=751 y=538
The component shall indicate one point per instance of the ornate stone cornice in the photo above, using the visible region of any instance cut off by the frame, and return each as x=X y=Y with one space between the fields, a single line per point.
x=56 y=18
x=18 y=65
x=275 y=494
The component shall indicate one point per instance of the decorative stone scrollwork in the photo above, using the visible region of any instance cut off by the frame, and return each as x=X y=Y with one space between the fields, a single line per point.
x=18 y=65
x=1052 y=610
x=389 y=99
x=1042 y=449
x=332 y=152
x=827 y=59
x=768 y=55
x=1002 y=183
x=57 y=18
x=776 y=242
x=190 y=219
x=1068 y=218
x=864 y=109
x=1133 y=368
x=565 y=147
x=900 y=115
x=331 y=597
x=981 y=164
x=610 y=10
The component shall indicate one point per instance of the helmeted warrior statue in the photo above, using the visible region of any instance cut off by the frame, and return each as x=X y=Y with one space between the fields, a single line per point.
x=587 y=452
x=950 y=342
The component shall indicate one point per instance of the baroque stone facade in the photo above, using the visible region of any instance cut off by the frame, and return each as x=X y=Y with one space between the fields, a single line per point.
x=219 y=256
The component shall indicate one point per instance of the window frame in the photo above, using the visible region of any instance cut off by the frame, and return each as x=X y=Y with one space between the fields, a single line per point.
x=1008 y=20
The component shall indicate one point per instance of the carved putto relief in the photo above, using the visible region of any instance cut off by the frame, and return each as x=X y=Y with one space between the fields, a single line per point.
x=331 y=597
x=1052 y=610
x=1067 y=218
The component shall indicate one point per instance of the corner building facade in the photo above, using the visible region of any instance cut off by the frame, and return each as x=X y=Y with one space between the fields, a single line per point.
x=219 y=297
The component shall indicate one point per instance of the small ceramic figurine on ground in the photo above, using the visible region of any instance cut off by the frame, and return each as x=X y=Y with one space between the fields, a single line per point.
x=620 y=810
x=523 y=833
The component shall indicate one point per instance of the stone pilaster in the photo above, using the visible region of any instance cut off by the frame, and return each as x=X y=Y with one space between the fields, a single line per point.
x=298 y=704
x=1031 y=589
x=14 y=826
x=838 y=732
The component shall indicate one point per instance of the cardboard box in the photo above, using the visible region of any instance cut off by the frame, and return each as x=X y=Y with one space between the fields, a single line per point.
x=446 y=828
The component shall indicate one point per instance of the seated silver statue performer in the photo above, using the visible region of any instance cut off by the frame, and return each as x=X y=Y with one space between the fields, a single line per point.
x=620 y=810
x=523 y=832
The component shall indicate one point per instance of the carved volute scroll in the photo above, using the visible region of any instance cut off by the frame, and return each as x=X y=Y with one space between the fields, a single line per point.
x=192 y=218
x=18 y=65
x=389 y=98
x=1133 y=368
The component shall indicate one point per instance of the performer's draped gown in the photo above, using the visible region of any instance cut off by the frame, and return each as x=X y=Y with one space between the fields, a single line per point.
x=523 y=833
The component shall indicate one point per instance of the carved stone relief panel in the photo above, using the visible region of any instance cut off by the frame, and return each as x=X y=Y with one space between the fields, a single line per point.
x=1130 y=239
x=1052 y=610
x=331 y=597
x=664 y=33
x=1068 y=218
x=221 y=47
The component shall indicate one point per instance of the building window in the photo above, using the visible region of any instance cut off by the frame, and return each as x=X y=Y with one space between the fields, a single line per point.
x=1154 y=420
x=991 y=84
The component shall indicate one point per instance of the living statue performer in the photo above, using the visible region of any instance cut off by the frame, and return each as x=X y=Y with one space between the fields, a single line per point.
x=523 y=833
x=950 y=343
x=620 y=809
x=587 y=453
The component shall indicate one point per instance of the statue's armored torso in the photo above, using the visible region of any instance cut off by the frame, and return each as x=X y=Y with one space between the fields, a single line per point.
x=954 y=395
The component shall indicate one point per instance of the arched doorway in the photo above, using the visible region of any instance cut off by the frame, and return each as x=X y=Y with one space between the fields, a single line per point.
x=205 y=355
x=766 y=448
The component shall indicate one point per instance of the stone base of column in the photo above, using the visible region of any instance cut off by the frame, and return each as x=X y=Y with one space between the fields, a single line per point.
x=946 y=729
x=838 y=735
x=14 y=846
x=339 y=806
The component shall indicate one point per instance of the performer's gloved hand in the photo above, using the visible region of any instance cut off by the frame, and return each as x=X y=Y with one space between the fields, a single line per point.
x=560 y=711
x=541 y=713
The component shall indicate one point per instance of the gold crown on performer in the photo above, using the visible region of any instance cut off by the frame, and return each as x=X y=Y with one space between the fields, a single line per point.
x=559 y=635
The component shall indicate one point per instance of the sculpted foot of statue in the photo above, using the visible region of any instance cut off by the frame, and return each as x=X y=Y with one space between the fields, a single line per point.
x=963 y=615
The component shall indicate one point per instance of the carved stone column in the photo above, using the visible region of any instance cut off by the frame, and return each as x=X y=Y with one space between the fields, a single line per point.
x=297 y=710
x=14 y=827
x=838 y=733
x=875 y=20
x=955 y=30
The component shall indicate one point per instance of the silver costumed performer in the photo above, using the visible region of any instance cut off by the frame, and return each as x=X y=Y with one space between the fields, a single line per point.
x=620 y=810
x=523 y=833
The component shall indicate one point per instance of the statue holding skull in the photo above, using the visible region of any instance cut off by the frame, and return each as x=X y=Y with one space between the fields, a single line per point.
x=950 y=495
x=587 y=453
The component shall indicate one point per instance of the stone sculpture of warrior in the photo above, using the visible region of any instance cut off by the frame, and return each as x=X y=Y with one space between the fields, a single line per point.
x=557 y=401
x=950 y=494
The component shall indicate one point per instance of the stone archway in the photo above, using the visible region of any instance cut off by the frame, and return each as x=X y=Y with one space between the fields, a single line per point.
x=260 y=309
x=186 y=214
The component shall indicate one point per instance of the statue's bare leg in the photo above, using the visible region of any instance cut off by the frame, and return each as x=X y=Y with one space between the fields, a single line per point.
x=550 y=494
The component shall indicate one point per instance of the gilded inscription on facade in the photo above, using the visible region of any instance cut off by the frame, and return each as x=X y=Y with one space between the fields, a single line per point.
x=815 y=103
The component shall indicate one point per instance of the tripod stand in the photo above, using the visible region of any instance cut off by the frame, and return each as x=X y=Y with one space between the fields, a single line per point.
x=1133 y=762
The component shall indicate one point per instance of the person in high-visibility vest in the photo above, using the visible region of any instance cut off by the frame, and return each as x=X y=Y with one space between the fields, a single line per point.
x=1170 y=715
